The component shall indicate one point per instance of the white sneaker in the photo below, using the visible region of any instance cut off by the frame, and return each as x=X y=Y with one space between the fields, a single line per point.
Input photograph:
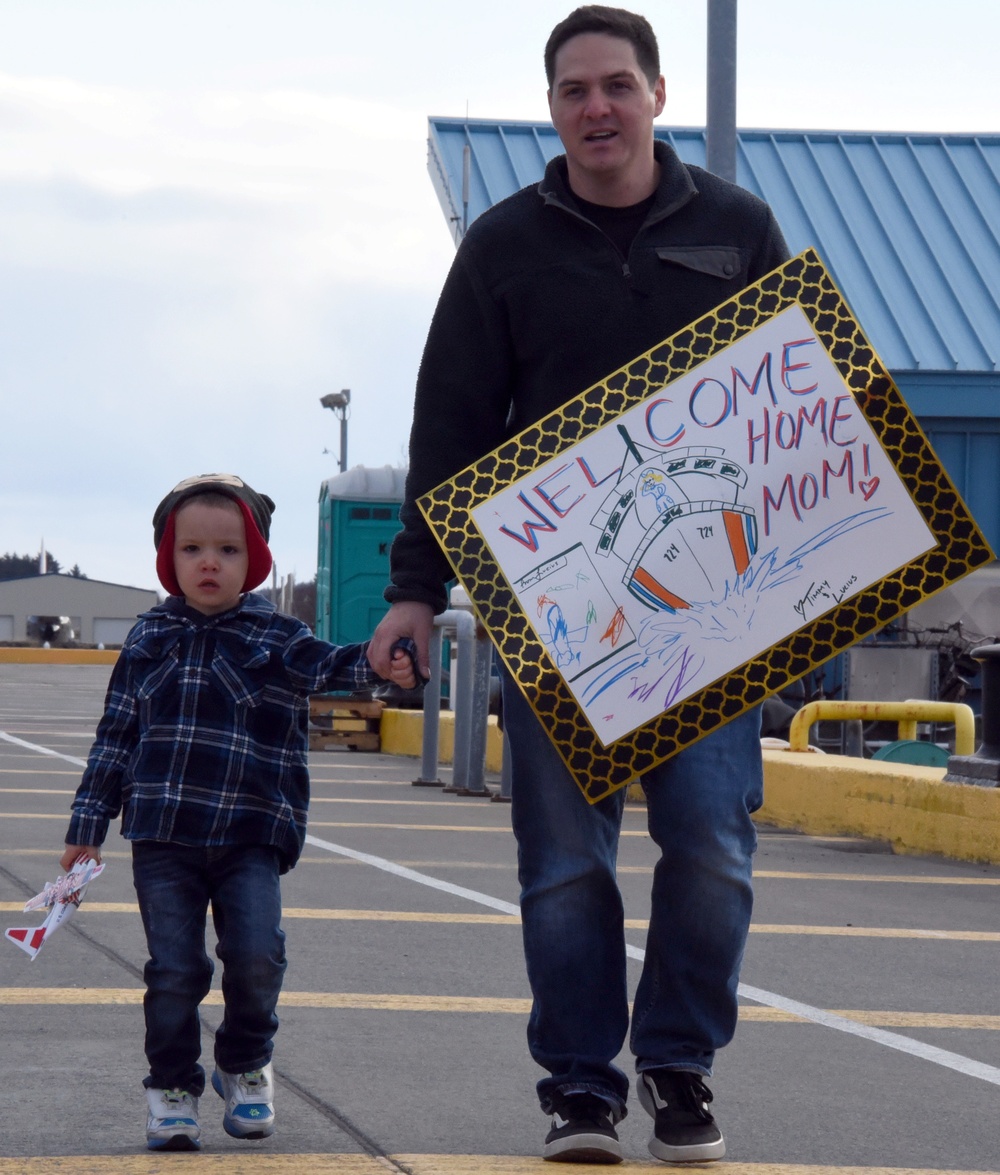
x=248 y=1097
x=172 y=1124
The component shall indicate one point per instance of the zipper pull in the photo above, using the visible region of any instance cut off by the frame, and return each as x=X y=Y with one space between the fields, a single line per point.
x=626 y=272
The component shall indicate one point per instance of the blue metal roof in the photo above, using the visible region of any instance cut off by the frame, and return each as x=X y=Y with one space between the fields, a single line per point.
x=908 y=224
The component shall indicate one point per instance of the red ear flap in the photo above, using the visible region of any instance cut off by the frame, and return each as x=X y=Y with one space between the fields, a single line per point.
x=258 y=552
x=165 y=559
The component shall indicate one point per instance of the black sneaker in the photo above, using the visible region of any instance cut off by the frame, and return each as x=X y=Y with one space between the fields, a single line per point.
x=582 y=1131
x=685 y=1130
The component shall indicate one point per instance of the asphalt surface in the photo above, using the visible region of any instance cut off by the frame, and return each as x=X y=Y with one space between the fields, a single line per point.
x=872 y=1040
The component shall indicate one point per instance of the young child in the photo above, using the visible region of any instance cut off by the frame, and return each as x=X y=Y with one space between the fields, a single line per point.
x=203 y=747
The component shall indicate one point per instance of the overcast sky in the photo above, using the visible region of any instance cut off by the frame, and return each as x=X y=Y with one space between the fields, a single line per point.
x=213 y=212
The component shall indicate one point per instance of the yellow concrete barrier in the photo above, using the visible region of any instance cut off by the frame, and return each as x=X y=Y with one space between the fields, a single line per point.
x=907 y=806
x=36 y=656
x=402 y=733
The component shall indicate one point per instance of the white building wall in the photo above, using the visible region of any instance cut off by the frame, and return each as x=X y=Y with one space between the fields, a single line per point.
x=84 y=600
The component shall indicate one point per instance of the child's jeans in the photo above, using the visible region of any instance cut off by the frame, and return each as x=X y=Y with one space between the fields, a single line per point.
x=176 y=884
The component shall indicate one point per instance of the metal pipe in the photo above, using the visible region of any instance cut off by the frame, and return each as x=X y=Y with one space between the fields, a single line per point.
x=464 y=624
x=720 y=124
x=471 y=706
x=432 y=716
x=466 y=170
x=479 y=712
x=906 y=714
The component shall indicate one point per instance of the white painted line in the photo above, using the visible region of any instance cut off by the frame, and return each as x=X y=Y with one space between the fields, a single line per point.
x=19 y=742
x=459 y=891
x=893 y=1040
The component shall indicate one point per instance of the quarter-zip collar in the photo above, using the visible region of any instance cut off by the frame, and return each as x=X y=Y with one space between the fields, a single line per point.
x=675 y=189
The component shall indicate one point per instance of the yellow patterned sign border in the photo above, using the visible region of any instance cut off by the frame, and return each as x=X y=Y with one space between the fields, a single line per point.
x=960 y=548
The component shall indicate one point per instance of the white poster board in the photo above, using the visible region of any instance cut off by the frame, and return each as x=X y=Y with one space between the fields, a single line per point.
x=703 y=526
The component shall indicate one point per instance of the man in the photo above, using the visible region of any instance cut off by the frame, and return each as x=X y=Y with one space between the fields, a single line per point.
x=618 y=247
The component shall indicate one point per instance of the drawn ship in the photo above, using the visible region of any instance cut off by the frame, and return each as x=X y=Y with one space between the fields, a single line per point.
x=675 y=523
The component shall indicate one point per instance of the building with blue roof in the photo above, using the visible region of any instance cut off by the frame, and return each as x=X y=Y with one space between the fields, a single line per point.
x=907 y=224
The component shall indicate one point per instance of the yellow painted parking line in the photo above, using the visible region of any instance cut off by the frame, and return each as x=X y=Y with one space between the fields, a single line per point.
x=484 y=1005
x=262 y=1163
x=415 y=827
x=517 y=1165
x=111 y=854
x=322 y=914
x=353 y=915
x=964 y=1020
x=259 y=1163
x=356 y=777
x=876 y=932
x=642 y=870
x=92 y=907
x=34 y=815
x=439 y=827
x=40 y=791
x=902 y=878
x=36 y=771
x=314 y=799
x=89 y=996
x=84 y=730
x=403 y=916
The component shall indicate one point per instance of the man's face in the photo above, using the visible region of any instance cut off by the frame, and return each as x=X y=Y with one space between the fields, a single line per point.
x=603 y=107
x=210 y=555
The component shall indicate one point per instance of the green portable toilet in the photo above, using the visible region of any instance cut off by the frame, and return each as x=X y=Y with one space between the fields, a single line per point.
x=358 y=519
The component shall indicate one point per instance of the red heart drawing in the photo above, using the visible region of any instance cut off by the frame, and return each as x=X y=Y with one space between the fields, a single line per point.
x=868 y=487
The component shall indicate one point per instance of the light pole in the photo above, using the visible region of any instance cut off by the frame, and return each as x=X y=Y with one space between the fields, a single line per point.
x=340 y=402
x=720 y=126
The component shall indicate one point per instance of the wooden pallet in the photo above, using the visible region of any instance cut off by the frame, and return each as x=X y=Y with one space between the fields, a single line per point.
x=344 y=722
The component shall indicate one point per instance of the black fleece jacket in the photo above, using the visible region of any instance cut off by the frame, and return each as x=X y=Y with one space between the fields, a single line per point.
x=539 y=305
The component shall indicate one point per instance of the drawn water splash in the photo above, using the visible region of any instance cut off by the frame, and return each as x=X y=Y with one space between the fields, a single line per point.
x=669 y=641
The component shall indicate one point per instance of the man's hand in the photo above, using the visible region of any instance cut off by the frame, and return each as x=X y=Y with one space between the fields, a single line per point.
x=408 y=618
x=76 y=853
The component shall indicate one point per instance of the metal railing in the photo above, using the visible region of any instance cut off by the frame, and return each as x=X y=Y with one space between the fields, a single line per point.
x=905 y=714
x=470 y=692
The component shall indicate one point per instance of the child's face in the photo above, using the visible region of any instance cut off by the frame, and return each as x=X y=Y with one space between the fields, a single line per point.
x=210 y=555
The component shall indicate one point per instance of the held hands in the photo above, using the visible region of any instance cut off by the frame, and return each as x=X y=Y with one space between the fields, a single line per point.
x=402 y=670
x=76 y=853
x=410 y=620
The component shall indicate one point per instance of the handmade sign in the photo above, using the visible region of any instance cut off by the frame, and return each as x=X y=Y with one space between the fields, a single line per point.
x=726 y=512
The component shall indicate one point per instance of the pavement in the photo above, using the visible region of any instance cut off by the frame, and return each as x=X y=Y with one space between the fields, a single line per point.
x=869 y=1037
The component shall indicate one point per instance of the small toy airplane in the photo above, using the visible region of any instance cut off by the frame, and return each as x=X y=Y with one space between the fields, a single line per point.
x=64 y=895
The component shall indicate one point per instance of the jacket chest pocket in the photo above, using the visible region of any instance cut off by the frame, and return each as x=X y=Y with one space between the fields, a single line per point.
x=721 y=261
x=240 y=681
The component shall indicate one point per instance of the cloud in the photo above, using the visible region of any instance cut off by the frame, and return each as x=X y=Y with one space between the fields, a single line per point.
x=182 y=278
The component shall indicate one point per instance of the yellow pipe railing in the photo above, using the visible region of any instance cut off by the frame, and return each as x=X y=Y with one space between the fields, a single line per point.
x=906 y=715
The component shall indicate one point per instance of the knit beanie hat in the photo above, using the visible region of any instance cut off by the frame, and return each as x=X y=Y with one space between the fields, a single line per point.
x=255 y=508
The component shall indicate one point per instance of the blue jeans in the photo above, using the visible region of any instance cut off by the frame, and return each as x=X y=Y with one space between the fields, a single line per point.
x=176 y=885
x=698 y=809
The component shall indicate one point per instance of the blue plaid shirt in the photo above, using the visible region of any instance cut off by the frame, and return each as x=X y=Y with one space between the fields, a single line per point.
x=204 y=736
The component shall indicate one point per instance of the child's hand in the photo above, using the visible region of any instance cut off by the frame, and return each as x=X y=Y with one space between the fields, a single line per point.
x=401 y=669
x=75 y=853
x=403 y=665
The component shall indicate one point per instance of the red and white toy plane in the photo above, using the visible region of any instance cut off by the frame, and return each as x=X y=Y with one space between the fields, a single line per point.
x=64 y=896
